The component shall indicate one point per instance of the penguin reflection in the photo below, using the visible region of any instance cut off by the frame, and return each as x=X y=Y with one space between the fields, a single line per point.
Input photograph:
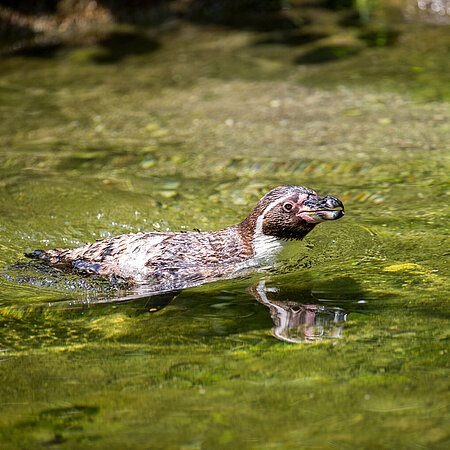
x=295 y=322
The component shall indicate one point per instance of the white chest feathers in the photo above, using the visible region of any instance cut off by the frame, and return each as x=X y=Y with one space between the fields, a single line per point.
x=267 y=247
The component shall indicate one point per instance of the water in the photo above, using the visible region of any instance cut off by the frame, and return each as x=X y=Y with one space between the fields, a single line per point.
x=342 y=346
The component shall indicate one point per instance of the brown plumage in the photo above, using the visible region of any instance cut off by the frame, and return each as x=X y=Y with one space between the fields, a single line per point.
x=172 y=259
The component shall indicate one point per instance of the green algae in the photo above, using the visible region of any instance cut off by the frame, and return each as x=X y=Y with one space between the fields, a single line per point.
x=94 y=148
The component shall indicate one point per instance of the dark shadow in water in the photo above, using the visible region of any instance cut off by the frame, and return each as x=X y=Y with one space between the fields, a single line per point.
x=326 y=54
x=335 y=5
x=47 y=50
x=379 y=38
x=11 y=32
x=59 y=420
x=286 y=24
x=32 y=6
x=263 y=22
x=118 y=45
x=17 y=35
x=112 y=48
x=254 y=15
x=351 y=19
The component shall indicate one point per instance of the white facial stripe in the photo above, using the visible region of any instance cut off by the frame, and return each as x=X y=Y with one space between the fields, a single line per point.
x=260 y=219
x=265 y=246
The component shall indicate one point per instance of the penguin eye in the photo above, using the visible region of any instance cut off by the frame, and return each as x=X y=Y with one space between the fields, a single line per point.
x=287 y=207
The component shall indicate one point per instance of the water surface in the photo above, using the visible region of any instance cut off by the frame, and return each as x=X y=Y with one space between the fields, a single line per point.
x=343 y=346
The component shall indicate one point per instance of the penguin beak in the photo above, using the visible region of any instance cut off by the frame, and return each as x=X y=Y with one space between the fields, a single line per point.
x=317 y=209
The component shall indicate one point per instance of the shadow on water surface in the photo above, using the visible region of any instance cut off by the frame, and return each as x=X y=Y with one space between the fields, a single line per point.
x=118 y=45
x=46 y=26
x=327 y=53
x=60 y=419
x=290 y=25
x=112 y=47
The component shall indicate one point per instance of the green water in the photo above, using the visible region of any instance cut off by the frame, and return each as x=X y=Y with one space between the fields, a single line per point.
x=188 y=136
